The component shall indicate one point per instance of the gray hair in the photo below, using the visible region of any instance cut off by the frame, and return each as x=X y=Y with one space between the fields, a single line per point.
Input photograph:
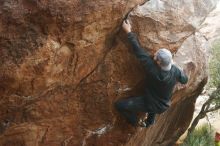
x=164 y=56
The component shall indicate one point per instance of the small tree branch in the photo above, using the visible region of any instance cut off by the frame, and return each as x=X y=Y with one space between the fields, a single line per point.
x=213 y=109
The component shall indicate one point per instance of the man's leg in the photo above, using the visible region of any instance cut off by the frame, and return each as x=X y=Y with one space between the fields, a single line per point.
x=129 y=108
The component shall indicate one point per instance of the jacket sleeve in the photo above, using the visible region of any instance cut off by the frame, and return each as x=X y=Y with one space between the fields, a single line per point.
x=140 y=53
x=181 y=76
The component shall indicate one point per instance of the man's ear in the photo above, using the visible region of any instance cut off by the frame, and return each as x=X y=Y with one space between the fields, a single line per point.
x=155 y=58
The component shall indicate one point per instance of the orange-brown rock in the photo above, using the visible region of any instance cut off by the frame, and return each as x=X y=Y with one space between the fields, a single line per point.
x=64 y=63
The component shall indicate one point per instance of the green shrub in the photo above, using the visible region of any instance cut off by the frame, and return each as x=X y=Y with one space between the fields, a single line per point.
x=201 y=136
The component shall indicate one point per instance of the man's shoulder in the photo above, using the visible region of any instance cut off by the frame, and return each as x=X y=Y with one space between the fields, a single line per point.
x=174 y=68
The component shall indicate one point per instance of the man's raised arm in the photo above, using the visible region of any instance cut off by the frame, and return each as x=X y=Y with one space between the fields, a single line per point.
x=139 y=52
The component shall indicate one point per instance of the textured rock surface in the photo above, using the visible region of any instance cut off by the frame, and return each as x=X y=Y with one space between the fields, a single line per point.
x=210 y=27
x=64 y=63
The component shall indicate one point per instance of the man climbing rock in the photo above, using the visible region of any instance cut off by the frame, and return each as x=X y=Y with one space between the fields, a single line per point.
x=162 y=76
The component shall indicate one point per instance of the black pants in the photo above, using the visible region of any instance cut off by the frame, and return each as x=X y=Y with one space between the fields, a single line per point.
x=131 y=106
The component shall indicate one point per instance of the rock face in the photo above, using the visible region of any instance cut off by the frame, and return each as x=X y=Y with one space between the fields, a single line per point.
x=210 y=26
x=64 y=63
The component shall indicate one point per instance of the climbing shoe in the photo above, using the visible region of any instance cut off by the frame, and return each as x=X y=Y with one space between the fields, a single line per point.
x=145 y=123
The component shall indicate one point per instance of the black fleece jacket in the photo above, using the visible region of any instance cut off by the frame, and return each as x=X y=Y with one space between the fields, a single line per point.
x=160 y=83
